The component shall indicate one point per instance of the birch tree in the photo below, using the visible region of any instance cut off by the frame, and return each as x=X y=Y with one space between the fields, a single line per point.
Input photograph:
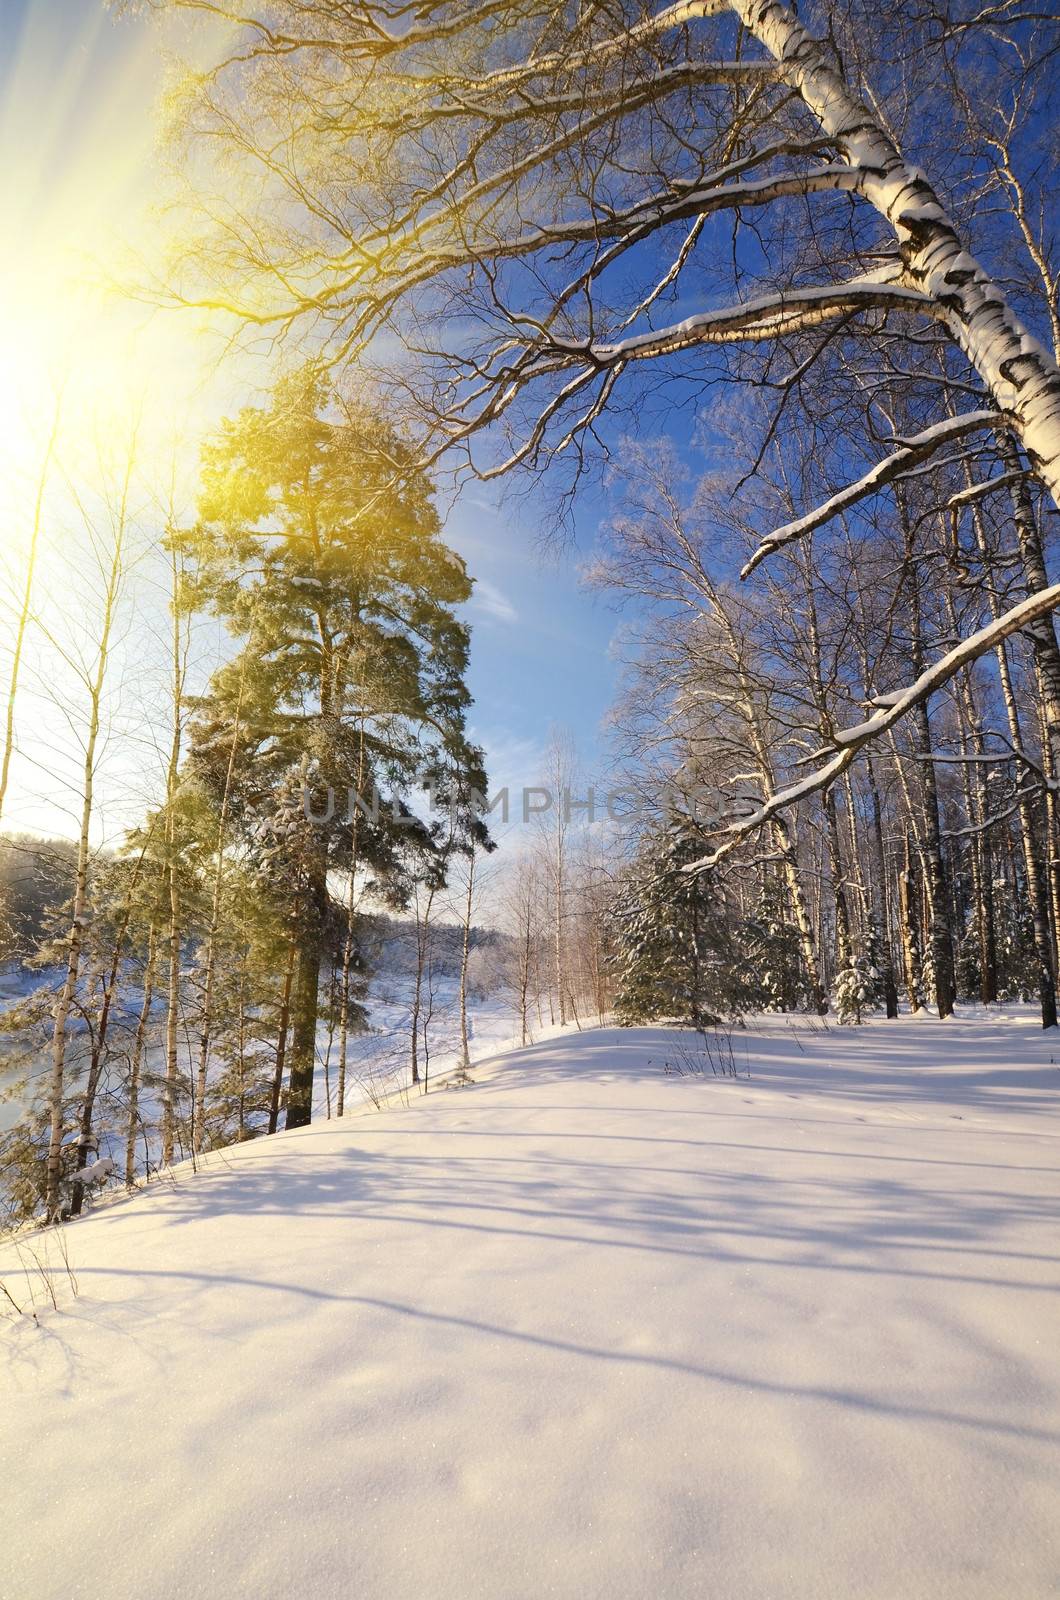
x=126 y=908
x=560 y=776
x=514 y=193
x=178 y=665
x=22 y=622
x=524 y=922
x=467 y=906
x=525 y=149
x=109 y=541
x=654 y=549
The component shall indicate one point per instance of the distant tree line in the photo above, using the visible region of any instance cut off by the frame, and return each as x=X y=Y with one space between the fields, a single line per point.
x=36 y=875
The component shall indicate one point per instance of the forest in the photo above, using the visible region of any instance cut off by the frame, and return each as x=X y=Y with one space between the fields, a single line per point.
x=529 y=799
x=779 y=294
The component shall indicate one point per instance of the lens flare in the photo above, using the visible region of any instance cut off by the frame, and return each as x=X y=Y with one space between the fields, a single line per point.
x=79 y=193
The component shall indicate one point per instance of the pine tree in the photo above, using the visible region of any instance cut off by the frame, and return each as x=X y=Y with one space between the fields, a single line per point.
x=674 y=947
x=1016 y=953
x=770 y=941
x=855 y=990
x=347 y=692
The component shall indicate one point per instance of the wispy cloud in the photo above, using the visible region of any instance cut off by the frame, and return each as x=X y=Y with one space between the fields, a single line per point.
x=492 y=603
x=511 y=759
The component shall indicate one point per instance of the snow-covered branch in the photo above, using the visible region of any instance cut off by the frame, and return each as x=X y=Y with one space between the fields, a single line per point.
x=766 y=317
x=512 y=127
x=913 y=452
x=1021 y=375
x=848 y=741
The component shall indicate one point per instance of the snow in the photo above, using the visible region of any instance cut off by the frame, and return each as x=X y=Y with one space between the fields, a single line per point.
x=893 y=707
x=98 y=1171
x=583 y=1329
x=976 y=644
x=912 y=450
x=767 y=314
x=378 y=1061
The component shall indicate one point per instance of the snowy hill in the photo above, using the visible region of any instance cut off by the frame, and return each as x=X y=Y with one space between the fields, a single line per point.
x=588 y=1328
x=378 y=1059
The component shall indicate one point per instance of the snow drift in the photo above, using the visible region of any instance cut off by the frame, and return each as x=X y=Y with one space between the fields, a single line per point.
x=587 y=1328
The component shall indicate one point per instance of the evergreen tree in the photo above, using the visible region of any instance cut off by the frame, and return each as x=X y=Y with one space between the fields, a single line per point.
x=675 y=951
x=968 y=966
x=855 y=990
x=347 y=692
x=1016 y=955
x=873 y=962
x=770 y=941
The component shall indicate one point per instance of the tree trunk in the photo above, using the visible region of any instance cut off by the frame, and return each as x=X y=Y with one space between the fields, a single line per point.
x=524 y=980
x=1022 y=377
x=347 y=945
x=282 y=1026
x=198 y=1103
x=856 y=876
x=85 y=1139
x=935 y=883
x=1036 y=890
x=79 y=916
x=557 y=950
x=65 y=1001
x=935 y=872
x=1035 y=879
x=1052 y=852
x=304 y=1034
x=344 y=1007
x=423 y=933
x=198 y=1093
x=137 y=1061
x=241 y=1116
x=843 y=951
x=1046 y=652
x=781 y=835
x=803 y=922
x=330 y=1044
x=170 y=1084
x=890 y=988
x=976 y=805
x=169 y=1092
x=1033 y=864
x=909 y=926
x=1041 y=633
x=465 y=950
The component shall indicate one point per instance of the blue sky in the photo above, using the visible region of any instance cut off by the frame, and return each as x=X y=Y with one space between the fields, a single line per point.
x=541 y=646
x=76 y=91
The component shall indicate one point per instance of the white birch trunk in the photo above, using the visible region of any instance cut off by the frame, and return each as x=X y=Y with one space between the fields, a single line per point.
x=1021 y=375
x=465 y=951
x=169 y=1089
x=139 y=1042
x=22 y=625
x=79 y=916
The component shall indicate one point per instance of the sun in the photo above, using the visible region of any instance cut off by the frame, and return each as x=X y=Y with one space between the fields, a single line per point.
x=78 y=198
x=99 y=390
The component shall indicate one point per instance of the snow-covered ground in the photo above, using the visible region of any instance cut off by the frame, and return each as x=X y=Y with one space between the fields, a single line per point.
x=378 y=1061
x=584 y=1329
